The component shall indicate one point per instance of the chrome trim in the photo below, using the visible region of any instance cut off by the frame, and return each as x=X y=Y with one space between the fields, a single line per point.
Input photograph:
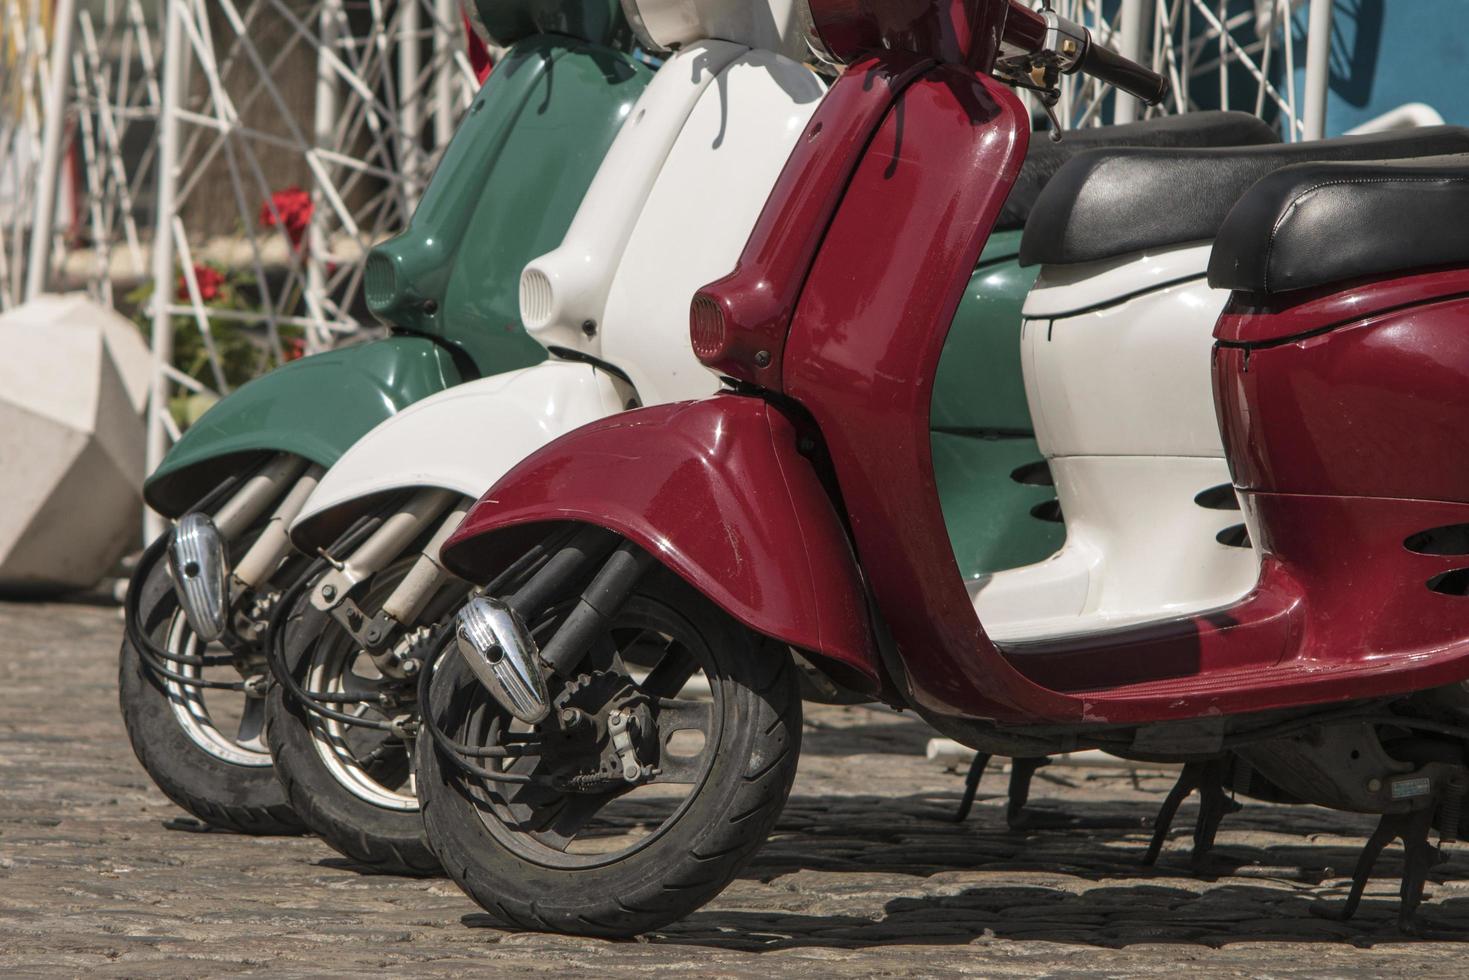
x=200 y=570
x=498 y=647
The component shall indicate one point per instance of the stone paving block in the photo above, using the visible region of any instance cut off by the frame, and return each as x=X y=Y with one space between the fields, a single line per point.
x=866 y=876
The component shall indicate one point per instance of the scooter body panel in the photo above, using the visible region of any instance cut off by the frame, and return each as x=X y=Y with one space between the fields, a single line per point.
x=315 y=408
x=717 y=116
x=563 y=293
x=1374 y=408
x=996 y=498
x=720 y=494
x=506 y=191
x=997 y=515
x=1125 y=417
x=952 y=144
x=979 y=389
x=1131 y=377
x=463 y=440
x=736 y=140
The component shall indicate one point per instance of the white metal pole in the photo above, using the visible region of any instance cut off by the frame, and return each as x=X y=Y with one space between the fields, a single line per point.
x=38 y=267
x=410 y=97
x=324 y=123
x=446 y=19
x=168 y=165
x=1318 y=58
x=1131 y=44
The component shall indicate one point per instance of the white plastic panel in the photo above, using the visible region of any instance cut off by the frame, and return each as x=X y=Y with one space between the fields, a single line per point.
x=698 y=217
x=466 y=438
x=1130 y=379
x=567 y=287
x=775 y=25
x=1060 y=290
x=1138 y=548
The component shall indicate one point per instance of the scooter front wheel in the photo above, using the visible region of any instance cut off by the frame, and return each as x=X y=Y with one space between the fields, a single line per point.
x=201 y=745
x=577 y=847
x=352 y=783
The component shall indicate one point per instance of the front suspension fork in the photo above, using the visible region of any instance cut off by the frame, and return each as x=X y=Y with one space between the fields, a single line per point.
x=332 y=594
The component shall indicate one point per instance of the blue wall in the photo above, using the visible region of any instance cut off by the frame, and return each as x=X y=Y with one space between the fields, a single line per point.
x=1388 y=52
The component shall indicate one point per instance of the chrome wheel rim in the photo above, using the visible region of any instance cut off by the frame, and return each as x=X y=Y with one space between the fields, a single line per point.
x=191 y=710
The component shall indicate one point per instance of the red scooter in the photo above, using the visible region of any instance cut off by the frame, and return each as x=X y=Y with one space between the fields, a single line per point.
x=795 y=516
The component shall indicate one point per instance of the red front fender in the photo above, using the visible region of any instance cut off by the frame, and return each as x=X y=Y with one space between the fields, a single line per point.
x=717 y=490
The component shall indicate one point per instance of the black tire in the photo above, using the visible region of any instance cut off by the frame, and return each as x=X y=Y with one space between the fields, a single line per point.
x=246 y=799
x=726 y=818
x=386 y=840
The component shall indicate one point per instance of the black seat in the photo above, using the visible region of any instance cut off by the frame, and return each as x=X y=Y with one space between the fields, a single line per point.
x=1190 y=129
x=1111 y=202
x=1319 y=223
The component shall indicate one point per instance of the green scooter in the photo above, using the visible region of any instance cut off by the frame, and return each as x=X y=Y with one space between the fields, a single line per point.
x=193 y=672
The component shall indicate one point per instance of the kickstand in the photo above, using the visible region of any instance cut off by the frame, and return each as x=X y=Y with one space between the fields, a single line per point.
x=1418 y=857
x=971 y=785
x=1214 y=805
x=1022 y=771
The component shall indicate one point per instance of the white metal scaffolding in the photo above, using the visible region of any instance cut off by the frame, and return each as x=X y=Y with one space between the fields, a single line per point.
x=153 y=143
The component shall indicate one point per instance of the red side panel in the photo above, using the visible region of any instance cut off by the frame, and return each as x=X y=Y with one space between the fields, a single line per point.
x=1280 y=318
x=1344 y=610
x=862 y=355
x=759 y=297
x=717 y=490
x=1379 y=408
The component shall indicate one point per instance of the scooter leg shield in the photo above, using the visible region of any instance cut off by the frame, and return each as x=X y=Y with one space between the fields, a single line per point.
x=314 y=408
x=431 y=444
x=717 y=490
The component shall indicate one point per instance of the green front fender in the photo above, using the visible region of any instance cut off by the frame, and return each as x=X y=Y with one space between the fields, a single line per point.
x=316 y=408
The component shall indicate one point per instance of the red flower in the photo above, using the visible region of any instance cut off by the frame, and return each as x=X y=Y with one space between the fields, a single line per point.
x=293 y=349
x=479 y=53
x=208 y=278
x=291 y=209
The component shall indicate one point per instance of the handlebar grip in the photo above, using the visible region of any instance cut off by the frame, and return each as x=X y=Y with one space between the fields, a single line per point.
x=1106 y=65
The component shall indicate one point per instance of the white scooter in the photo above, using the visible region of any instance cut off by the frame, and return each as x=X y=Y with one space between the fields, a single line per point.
x=708 y=137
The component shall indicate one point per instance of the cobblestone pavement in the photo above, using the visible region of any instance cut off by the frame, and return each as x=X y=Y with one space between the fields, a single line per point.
x=864 y=876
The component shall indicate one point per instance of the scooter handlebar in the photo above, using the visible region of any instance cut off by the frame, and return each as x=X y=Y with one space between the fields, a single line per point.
x=1106 y=65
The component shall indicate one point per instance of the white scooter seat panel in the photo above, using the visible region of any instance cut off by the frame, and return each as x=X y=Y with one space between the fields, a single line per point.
x=1147 y=538
x=699 y=216
x=463 y=439
x=1131 y=378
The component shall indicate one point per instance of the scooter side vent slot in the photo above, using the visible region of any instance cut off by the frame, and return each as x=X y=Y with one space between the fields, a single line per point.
x=1451 y=539
x=1048 y=511
x=1234 y=536
x=379 y=282
x=1218 y=498
x=1455 y=583
x=535 y=297
x=1037 y=474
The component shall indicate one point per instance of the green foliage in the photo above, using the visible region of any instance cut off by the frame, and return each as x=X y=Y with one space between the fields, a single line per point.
x=241 y=343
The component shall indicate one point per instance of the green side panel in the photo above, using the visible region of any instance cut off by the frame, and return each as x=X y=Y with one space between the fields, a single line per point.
x=979 y=384
x=316 y=407
x=989 y=513
x=505 y=193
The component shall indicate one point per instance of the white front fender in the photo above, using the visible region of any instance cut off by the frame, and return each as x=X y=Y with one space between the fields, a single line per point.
x=463 y=439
